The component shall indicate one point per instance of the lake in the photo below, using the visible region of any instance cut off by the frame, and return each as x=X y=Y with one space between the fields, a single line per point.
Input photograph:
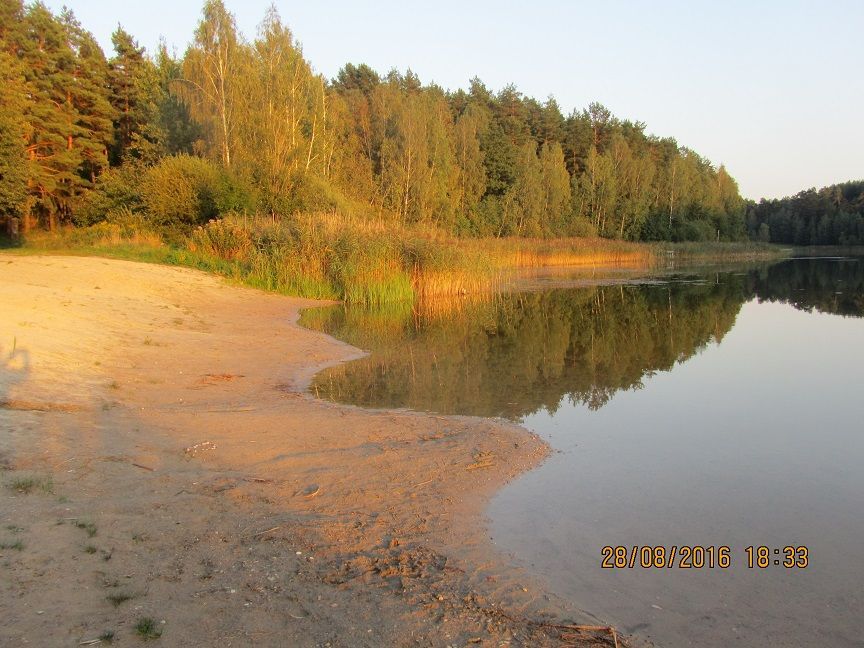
x=715 y=410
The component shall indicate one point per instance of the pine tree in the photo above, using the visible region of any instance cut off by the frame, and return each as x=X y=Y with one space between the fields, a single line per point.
x=48 y=63
x=135 y=97
x=13 y=132
x=89 y=97
x=15 y=102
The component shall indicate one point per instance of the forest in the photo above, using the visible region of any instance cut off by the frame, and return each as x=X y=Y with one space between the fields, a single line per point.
x=235 y=126
x=830 y=216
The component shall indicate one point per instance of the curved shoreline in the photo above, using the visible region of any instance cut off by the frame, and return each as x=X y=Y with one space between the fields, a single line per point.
x=226 y=501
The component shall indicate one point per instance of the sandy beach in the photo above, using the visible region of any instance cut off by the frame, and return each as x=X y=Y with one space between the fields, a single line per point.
x=160 y=459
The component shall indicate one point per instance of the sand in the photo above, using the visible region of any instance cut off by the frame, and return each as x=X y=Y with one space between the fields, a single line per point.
x=160 y=458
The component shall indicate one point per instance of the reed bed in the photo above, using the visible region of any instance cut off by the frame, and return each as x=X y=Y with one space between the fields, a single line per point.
x=328 y=255
x=363 y=260
x=687 y=253
x=575 y=252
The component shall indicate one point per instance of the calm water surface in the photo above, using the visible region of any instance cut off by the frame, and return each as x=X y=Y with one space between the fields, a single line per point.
x=715 y=409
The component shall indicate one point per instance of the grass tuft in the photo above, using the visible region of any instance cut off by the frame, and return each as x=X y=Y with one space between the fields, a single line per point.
x=148 y=629
x=88 y=526
x=119 y=598
x=27 y=485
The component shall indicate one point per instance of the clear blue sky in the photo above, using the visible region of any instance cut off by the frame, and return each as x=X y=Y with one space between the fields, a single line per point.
x=773 y=89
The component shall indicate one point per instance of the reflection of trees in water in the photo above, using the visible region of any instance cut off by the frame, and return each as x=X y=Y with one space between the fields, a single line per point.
x=522 y=352
x=834 y=286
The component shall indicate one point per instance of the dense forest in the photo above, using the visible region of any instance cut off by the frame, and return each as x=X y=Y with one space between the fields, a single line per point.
x=830 y=216
x=247 y=126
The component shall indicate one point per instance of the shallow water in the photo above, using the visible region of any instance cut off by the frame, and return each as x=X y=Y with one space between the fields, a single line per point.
x=712 y=410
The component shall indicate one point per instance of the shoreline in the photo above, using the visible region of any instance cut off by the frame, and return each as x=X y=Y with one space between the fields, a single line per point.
x=223 y=499
x=414 y=267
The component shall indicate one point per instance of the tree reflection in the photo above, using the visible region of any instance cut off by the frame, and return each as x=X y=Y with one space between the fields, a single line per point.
x=514 y=354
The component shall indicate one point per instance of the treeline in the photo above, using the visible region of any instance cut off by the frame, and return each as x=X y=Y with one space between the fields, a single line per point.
x=831 y=286
x=830 y=216
x=248 y=126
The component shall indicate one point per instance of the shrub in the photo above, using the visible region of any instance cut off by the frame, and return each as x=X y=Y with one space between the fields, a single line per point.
x=225 y=238
x=181 y=191
x=117 y=191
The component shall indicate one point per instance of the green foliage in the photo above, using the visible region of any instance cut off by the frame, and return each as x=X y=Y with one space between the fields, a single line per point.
x=180 y=132
x=332 y=256
x=830 y=216
x=13 y=162
x=136 y=95
x=28 y=484
x=116 y=194
x=237 y=125
x=148 y=629
x=182 y=191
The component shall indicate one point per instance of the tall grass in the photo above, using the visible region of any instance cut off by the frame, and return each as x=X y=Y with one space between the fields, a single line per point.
x=687 y=253
x=364 y=260
x=333 y=256
x=133 y=232
x=532 y=253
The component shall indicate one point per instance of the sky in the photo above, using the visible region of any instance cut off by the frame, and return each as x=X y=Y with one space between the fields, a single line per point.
x=772 y=89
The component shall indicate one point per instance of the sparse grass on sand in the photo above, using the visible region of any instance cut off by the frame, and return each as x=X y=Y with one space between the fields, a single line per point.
x=119 y=598
x=88 y=526
x=17 y=545
x=31 y=483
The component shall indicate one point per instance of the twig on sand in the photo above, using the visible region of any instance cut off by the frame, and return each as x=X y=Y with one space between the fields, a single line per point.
x=585 y=628
x=481 y=460
x=137 y=465
x=573 y=628
x=89 y=642
x=258 y=480
x=260 y=533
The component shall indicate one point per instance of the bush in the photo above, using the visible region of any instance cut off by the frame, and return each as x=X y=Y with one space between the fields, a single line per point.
x=177 y=193
x=226 y=239
x=696 y=230
x=117 y=191
x=181 y=190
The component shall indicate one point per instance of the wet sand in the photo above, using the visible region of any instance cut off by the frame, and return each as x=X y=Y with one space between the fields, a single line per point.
x=160 y=458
